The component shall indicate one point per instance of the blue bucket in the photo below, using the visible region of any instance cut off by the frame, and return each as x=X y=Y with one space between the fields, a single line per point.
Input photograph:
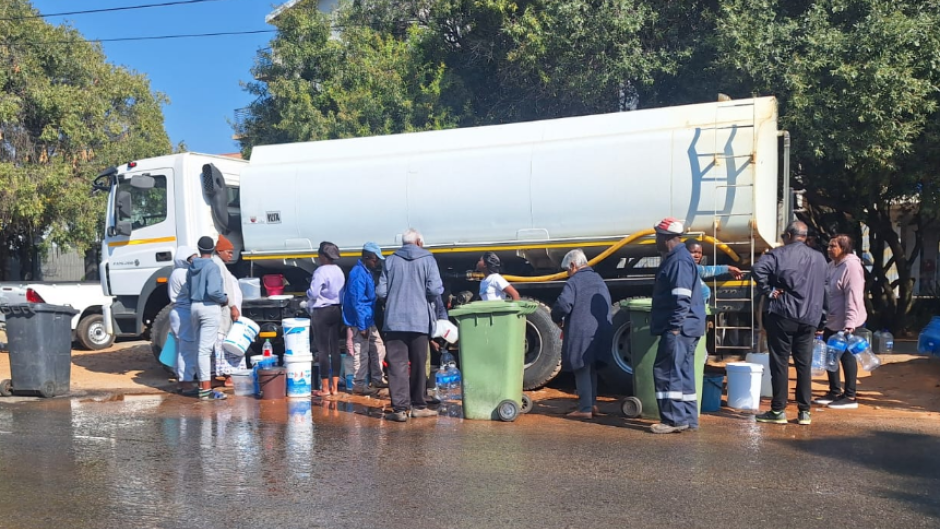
x=711 y=392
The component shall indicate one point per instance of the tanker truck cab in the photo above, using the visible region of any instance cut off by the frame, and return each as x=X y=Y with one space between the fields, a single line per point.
x=154 y=206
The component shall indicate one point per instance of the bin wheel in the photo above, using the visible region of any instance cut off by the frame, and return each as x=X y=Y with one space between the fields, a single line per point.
x=507 y=410
x=631 y=407
x=527 y=404
x=47 y=390
x=6 y=387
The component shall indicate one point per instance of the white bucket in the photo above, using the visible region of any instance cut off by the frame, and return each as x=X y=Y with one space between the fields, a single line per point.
x=239 y=337
x=744 y=385
x=763 y=359
x=250 y=287
x=296 y=336
x=244 y=382
x=299 y=375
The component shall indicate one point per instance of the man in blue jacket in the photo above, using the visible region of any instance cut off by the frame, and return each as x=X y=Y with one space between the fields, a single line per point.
x=410 y=283
x=678 y=318
x=207 y=297
x=359 y=317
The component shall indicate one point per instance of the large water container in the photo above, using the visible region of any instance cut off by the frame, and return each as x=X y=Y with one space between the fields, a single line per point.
x=835 y=348
x=819 y=357
x=860 y=349
x=883 y=342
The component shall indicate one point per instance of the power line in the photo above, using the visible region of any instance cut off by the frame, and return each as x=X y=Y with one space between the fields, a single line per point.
x=106 y=10
x=155 y=37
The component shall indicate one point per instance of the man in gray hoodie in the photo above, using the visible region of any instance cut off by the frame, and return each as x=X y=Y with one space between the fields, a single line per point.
x=409 y=283
x=207 y=294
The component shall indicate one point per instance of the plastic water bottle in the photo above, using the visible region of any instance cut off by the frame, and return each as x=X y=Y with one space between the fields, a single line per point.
x=860 y=349
x=820 y=353
x=267 y=349
x=834 y=349
x=448 y=359
x=441 y=381
x=884 y=342
x=456 y=381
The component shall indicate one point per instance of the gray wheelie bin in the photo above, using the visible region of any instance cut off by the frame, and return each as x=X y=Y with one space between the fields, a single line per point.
x=39 y=338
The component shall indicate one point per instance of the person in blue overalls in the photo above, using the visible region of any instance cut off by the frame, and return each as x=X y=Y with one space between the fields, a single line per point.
x=678 y=318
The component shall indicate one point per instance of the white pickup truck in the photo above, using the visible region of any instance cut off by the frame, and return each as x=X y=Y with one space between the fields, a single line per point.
x=88 y=326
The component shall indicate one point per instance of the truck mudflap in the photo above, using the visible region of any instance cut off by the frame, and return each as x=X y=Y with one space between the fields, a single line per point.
x=108 y=322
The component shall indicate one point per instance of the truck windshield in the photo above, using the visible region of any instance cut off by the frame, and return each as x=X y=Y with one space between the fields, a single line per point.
x=148 y=205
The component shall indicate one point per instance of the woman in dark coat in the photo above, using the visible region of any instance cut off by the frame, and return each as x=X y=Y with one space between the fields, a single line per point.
x=583 y=312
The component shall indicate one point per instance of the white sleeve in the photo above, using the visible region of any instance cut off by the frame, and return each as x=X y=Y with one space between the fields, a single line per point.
x=501 y=282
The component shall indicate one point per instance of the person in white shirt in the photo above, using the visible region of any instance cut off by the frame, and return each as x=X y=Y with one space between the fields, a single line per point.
x=494 y=286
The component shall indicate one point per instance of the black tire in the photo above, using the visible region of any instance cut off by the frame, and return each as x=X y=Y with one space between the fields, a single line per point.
x=159 y=331
x=527 y=404
x=47 y=390
x=6 y=387
x=507 y=410
x=92 y=333
x=617 y=375
x=542 y=349
x=631 y=407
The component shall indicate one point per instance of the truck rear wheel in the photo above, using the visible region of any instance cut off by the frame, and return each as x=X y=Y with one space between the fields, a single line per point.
x=542 y=349
x=617 y=375
x=92 y=333
x=159 y=331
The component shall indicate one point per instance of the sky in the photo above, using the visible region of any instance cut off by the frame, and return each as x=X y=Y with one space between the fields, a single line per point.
x=200 y=76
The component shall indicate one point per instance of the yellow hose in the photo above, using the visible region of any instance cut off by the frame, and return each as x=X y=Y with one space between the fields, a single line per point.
x=607 y=253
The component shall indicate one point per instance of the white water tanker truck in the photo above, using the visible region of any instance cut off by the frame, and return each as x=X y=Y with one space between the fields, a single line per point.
x=528 y=191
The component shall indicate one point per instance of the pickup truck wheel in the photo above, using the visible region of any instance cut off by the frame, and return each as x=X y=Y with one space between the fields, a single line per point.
x=6 y=387
x=159 y=330
x=617 y=375
x=542 y=349
x=92 y=334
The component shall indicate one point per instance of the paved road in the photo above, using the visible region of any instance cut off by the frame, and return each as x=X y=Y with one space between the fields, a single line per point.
x=177 y=463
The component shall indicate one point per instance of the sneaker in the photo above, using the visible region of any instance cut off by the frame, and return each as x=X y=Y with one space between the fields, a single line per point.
x=379 y=384
x=773 y=417
x=364 y=390
x=665 y=428
x=397 y=416
x=418 y=413
x=828 y=398
x=211 y=394
x=844 y=403
x=803 y=418
x=431 y=399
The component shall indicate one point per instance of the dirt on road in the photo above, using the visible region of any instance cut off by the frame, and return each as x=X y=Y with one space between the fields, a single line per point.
x=904 y=383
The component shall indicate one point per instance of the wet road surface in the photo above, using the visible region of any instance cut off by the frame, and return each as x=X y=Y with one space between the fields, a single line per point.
x=172 y=462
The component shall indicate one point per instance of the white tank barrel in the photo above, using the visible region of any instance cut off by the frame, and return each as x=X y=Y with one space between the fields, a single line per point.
x=554 y=182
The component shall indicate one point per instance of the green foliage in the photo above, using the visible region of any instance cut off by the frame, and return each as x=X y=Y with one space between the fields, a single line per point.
x=65 y=114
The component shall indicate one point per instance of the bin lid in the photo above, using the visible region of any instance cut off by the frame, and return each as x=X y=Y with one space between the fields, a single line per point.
x=28 y=309
x=638 y=304
x=494 y=307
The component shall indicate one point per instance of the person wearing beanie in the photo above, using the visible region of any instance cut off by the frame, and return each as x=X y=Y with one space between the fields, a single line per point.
x=226 y=362
x=678 y=318
x=494 y=286
x=207 y=302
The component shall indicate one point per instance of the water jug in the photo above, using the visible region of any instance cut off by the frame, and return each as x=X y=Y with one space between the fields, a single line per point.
x=819 y=357
x=859 y=348
x=857 y=344
x=884 y=342
x=835 y=347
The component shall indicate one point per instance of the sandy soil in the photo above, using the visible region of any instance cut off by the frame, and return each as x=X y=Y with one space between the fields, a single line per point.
x=904 y=383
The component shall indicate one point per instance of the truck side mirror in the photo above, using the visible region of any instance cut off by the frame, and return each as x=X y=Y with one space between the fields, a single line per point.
x=123 y=227
x=123 y=205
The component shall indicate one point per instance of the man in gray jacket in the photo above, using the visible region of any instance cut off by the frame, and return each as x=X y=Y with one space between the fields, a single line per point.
x=207 y=294
x=794 y=278
x=409 y=283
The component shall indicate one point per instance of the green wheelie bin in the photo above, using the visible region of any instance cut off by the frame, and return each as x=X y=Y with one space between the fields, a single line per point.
x=643 y=354
x=492 y=355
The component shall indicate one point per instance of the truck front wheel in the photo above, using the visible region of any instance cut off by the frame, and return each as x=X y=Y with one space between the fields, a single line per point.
x=617 y=375
x=542 y=349
x=92 y=333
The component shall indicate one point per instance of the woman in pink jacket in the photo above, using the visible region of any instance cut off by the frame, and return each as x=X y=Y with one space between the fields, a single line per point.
x=846 y=313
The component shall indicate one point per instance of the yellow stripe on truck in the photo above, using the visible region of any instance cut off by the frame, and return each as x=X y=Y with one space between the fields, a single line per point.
x=135 y=242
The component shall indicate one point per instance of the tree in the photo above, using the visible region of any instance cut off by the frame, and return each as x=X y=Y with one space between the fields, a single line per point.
x=65 y=114
x=312 y=84
x=858 y=85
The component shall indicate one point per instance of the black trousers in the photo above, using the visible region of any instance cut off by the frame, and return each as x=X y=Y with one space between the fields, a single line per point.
x=786 y=337
x=849 y=367
x=407 y=389
x=324 y=323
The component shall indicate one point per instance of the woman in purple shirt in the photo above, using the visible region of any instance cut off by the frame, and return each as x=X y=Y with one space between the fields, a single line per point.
x=324 y=298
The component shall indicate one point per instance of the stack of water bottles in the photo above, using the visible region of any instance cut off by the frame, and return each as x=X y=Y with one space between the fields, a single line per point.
x=929 y=340
x=858 y=347
x=449 y=385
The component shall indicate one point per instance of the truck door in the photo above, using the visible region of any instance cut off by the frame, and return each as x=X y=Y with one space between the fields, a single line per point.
x=144 y=209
